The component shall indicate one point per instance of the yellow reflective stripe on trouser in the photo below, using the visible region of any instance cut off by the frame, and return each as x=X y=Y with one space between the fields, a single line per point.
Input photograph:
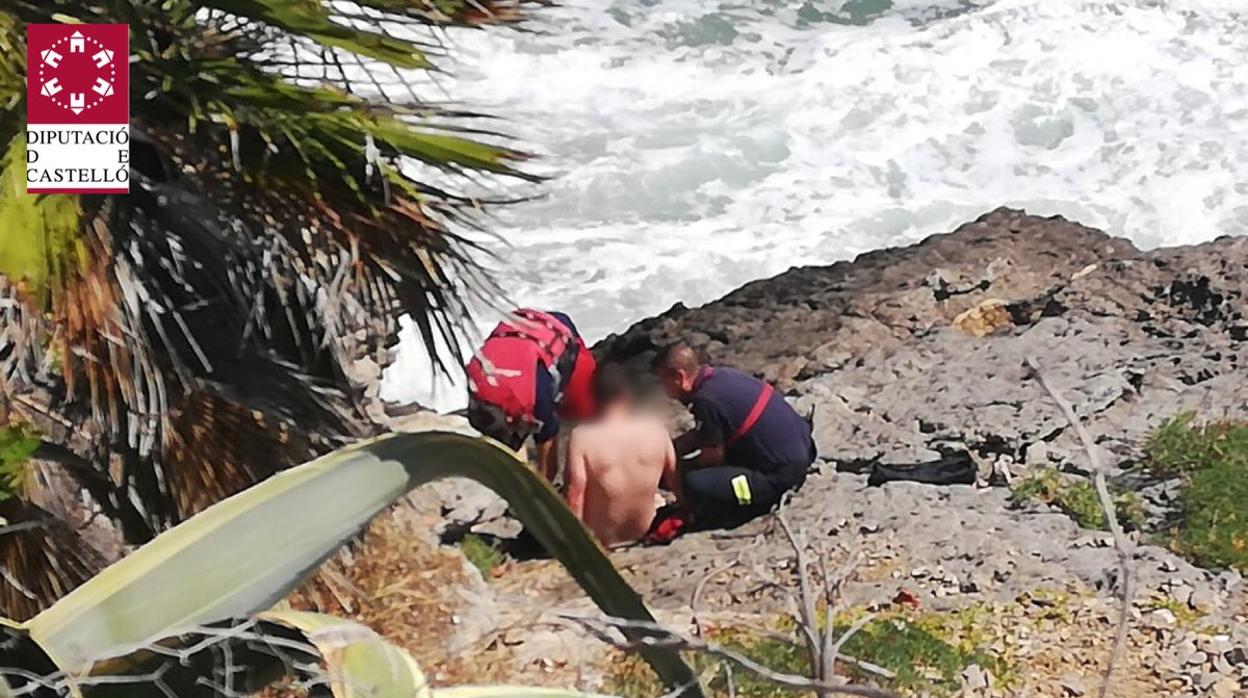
x=741 y=488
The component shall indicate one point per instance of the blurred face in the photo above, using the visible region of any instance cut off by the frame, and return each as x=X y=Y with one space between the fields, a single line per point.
x=677 y=383
x=620 y=402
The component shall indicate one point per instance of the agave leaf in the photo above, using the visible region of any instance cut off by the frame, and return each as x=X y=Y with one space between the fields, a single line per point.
x=355 y=661
x=243 y=554
x=508 y=692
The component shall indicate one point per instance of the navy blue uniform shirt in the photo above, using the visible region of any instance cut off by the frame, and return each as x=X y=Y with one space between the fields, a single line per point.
x=722 y=399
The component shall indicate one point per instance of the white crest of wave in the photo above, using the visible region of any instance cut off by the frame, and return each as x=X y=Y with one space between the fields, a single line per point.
x=702 y=144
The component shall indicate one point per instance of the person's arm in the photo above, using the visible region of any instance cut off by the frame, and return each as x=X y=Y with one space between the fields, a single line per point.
x=708 y=436
x=686 y=443
x=548 y=435
x=548 y=459
x=574 y=478
x=708 y=457
x=672 y=476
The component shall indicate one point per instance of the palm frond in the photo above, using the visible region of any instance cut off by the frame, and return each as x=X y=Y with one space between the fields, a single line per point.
x=41 y=559
x=202 y=332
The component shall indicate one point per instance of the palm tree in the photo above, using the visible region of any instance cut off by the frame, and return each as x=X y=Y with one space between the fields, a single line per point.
x=290 y=197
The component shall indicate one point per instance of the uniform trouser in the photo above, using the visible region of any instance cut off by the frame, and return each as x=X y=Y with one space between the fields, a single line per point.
x=726 y=496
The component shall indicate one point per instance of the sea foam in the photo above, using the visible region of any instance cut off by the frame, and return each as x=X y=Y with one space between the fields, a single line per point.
x=697 y=145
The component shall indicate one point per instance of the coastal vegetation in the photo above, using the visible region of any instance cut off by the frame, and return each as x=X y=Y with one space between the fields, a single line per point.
x=923 y=653
x=1076 y=498
x=1211 y=461
x=123 y=631
x=292 y=194
x=1208 y=461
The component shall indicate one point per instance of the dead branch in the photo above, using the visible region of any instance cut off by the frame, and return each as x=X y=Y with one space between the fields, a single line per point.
x=863 y=665
x=1121 y=544
x=806 y=615
x=822 y=643
x=611 y=631
x=701 y=585
x=680 y=690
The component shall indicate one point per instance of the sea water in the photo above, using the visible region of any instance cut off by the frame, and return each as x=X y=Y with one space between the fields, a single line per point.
x=696 y=145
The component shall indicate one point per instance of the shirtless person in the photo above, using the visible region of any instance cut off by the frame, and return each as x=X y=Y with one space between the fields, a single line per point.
x=615 y=464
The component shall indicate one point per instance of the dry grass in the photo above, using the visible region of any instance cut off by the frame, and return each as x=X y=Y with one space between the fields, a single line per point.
x=410 y=591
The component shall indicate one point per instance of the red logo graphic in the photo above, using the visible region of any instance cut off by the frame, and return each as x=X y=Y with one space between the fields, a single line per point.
x=77 y=74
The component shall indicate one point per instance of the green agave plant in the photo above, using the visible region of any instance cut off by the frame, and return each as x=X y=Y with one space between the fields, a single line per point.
x=162 y=615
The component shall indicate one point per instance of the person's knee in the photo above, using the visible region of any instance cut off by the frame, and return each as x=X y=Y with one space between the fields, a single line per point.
x=793 y=484
x=717 y=489
x=747 y=490
x=699 y=486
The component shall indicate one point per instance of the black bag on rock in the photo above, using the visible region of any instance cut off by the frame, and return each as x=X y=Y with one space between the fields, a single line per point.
x=953 y=469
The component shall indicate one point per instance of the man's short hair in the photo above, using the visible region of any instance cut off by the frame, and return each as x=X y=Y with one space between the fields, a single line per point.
x=611 y=382
x=677 y=356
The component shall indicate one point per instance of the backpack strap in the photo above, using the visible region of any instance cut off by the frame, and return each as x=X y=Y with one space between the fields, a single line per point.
x=764 y=397
x=552 y=338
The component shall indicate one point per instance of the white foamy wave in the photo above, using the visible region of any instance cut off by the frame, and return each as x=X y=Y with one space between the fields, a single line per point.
x=702 y=144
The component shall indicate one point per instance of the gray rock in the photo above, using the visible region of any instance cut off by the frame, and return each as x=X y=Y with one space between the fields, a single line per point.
x=1196 y=658
x=1227 y=687
x=1182 y=593
x=872 y=345
x=1130 y=338
x=1072 y=686
x=1207 y=681
x=1221 y=665
x=1205 y=597
x=976 y=678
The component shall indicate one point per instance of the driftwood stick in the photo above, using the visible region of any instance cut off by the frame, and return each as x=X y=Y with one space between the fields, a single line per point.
x=1121 y=544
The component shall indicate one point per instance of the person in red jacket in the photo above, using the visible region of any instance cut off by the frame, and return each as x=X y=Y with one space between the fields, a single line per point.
x=533 y=370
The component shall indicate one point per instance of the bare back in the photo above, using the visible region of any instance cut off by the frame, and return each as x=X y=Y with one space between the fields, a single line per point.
x=615 y=467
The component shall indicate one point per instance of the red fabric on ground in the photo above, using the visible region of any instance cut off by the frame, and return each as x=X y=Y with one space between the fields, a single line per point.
x=667 y=528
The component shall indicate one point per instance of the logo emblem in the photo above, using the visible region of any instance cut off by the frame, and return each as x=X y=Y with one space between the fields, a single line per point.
x=78 y=108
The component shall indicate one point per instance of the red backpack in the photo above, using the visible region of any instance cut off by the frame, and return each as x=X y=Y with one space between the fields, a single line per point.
x=501 y=373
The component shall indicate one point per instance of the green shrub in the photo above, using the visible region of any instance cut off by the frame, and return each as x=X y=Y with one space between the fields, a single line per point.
x=1214 y=460
x=1078 y=499
x=911 y=648
x=16 y=446
x=923 y=662
x=1215 y=516
x=481 y=554
x=1181 y=447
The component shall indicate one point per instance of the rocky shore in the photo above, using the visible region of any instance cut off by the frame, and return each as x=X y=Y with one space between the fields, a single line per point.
x=907 y=353
x=906 y=350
